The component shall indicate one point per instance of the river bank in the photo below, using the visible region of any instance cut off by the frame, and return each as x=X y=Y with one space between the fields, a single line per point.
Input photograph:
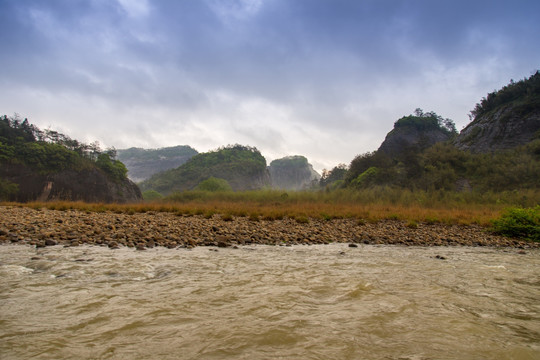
x=43 y=227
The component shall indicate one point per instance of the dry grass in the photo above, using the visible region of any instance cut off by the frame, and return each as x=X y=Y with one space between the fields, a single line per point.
x=366 y=206
x=299 y=210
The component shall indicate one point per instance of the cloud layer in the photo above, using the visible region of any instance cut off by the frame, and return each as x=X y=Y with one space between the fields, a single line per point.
x=325 y=79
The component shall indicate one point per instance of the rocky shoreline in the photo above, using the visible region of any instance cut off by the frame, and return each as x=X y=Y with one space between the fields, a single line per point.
x=43 y=227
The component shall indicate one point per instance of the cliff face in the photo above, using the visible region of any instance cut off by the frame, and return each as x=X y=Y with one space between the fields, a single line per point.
x=500 y=129
x=402 y=138
x=292 y=173
x=90 y=185
x=143 y=163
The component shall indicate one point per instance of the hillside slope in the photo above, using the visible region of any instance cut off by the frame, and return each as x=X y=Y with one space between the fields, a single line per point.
x=505 y=119
x=243 y=167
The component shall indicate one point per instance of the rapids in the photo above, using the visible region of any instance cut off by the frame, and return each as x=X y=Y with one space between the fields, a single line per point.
x=269 y=302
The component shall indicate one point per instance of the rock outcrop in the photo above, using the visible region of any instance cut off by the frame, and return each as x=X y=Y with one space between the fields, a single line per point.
x=292 y=173
x=504 y=128
x=406 y=137
x=90 y=185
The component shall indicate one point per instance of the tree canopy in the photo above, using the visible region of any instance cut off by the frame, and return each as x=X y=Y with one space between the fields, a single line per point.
x=49 y=151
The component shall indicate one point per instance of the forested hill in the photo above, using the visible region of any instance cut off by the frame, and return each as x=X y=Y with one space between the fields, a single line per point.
x=45 y=165
x=143 y=163
x=243 y=167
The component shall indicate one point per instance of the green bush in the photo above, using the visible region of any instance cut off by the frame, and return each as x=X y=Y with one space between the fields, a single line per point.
x=151 y=195
x=7 y=189
x=213 y=184
x=520 y=223
x=366 y=178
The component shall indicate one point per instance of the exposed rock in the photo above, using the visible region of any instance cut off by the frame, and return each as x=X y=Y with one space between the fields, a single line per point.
x=86 y=185
x=500 y=129
x=402 y=138
x=292 y=173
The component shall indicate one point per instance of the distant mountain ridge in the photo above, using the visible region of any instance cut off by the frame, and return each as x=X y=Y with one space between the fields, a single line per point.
x=143 y=163
x=243 y=167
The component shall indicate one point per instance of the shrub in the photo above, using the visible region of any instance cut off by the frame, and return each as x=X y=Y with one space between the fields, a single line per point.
x=520 y=223
x=227 y=217
x=412 y=224
x=302 y=219
x=213 y=184
x=7 y=189
x=151 y=195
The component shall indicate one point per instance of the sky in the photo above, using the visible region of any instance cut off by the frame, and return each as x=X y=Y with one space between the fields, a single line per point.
x=325 y=79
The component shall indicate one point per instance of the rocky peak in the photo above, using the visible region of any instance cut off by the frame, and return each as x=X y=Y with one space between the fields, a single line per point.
x=417 y=132
x=292 y=173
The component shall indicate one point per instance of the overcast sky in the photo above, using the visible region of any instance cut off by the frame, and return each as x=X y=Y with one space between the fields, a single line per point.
x=321 y=78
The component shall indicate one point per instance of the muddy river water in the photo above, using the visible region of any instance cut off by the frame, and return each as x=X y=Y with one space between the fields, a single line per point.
x=269 y=302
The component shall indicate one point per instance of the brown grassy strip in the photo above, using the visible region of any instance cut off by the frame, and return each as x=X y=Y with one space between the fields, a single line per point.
x=300 y=210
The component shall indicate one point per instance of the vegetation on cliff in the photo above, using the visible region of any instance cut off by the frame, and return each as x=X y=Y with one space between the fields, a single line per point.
x=524 y=95
x=411 y=157
x=49 y=151
x=243 y=167
x=416 y=132
x=36 y=162
x=505 y=119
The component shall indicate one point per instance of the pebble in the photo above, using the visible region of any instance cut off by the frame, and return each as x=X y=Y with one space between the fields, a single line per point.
x=146 y=230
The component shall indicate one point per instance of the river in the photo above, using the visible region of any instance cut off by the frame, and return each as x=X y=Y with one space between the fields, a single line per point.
x=269 y=302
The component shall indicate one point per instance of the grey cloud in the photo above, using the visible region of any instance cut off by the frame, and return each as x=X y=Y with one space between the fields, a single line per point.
x=340 y=69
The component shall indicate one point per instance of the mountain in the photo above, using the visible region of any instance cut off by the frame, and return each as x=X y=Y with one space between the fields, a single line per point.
x=505 y=119
x=416 y=132
x=243 y=167
x=498 y=151
x=143 y=163
x=292 y=173
x=45 y=165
